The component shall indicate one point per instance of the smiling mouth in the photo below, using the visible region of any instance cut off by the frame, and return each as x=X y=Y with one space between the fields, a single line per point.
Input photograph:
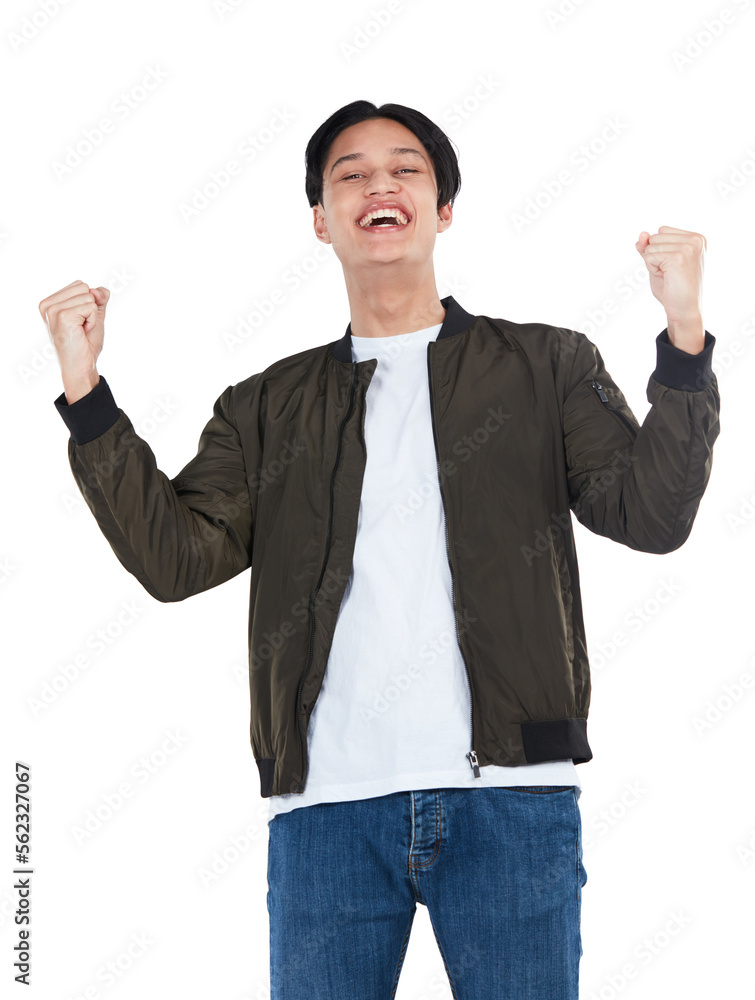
x=392 y=227
x=389 y=219
x=383 y=227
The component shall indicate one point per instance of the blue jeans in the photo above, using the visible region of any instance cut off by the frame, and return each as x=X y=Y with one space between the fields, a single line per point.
x=498 y=868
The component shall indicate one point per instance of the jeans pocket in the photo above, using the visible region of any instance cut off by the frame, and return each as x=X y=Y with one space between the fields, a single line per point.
x=581 y=871
x=538 y=789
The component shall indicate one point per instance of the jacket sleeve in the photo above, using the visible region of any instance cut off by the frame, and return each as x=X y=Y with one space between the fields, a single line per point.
x=640 y=485
x=178 y=536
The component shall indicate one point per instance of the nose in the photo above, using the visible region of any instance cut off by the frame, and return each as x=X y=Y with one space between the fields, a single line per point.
x=382 y=181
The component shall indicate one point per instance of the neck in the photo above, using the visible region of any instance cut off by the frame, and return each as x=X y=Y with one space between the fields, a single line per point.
x=385 y=302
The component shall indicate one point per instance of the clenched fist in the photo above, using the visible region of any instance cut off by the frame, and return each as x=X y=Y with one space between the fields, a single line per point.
x=75 y=318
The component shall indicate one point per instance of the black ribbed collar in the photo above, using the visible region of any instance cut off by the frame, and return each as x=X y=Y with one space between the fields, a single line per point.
x=456 y=320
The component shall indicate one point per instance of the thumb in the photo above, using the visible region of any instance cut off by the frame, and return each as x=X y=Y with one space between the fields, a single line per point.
x=101 y=295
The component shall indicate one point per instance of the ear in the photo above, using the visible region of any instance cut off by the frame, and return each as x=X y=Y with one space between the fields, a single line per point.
x=321 y=226
x=445 y=217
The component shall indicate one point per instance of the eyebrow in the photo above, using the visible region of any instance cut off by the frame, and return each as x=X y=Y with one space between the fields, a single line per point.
x=395 y=151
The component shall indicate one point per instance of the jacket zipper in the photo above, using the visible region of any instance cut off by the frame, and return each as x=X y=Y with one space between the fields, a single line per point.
x=472 y=755
x=604 y=400
x=305 y=761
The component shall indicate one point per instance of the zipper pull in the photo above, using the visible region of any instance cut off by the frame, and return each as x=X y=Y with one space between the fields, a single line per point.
x=472 y=755
x=599 y=389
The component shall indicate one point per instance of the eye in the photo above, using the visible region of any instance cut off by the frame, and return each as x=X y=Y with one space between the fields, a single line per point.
x=401 y=170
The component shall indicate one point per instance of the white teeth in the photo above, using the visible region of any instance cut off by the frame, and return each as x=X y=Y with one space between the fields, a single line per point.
x=383 y=213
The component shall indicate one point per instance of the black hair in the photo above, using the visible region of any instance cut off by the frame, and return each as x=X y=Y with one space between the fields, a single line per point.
x=435 y=141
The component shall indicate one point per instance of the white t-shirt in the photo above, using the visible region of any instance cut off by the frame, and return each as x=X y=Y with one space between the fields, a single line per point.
x=393 y=713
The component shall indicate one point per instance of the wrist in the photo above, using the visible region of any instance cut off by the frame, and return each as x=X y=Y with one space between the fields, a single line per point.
x=77 y=387
x=687 y=333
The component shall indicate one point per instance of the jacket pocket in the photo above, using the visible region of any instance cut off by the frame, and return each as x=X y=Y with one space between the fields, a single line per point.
x=565 y=589
x=604 y=394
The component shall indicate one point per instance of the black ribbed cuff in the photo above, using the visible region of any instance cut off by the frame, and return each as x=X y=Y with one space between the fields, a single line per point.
x=90 y=416
x=679 y=369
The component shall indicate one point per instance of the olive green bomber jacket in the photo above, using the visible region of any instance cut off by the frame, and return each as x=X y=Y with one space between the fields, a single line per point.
x=530 y=429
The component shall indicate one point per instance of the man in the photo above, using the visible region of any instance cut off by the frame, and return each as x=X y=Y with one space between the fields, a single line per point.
x=403 y=495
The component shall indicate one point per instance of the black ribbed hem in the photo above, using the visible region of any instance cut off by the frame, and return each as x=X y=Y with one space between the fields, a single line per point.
x=266 y=767
x=90 y=416
x=555 y=739
x=679 y=369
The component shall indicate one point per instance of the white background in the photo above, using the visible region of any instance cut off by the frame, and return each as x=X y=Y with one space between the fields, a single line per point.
x=667 y=809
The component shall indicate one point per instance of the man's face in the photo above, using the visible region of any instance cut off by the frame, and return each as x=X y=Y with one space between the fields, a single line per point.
x=379 y=176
